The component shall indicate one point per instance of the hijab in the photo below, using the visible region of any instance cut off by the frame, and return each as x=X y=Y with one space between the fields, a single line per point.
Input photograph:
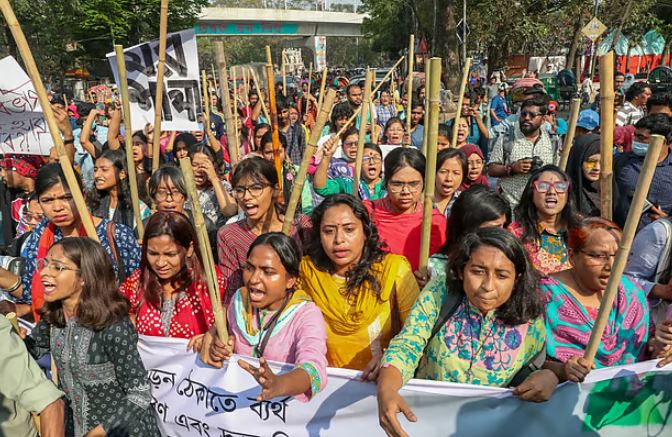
x=470 y=149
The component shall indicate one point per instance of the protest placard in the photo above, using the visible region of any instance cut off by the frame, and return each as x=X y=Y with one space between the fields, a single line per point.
x=181 y=90
x=22 y=125
x=192 y=399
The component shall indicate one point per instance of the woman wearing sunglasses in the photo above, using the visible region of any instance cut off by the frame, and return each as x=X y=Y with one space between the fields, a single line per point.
x=543 y=217
x=255 y=188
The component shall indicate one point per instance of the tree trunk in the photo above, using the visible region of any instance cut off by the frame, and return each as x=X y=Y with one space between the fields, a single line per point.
x=571 y=56
x=450 y=55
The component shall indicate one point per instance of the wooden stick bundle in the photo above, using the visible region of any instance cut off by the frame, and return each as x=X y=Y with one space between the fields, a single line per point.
x=63 y=159
x=161 y=68
x=275 y=127
x=409 y=88
x=226 y=102
x=656 y=144
x=571 y=130
x=128 y=139
x=460 y=99
x=362 y=133
x=311 y=148
x=206 y=252
x=606 y=133
x=434 y=93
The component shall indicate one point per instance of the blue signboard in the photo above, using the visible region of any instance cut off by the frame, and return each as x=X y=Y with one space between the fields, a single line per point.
x=204 y=29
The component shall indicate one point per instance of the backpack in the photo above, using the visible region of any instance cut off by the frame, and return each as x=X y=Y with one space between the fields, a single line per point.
x=450 y=305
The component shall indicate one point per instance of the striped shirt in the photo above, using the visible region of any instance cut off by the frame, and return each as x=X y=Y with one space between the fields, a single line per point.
x=628 y=114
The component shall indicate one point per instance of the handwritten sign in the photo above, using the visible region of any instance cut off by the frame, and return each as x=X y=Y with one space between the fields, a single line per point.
x=192 y=399
x=181 y=95
x=22 y=125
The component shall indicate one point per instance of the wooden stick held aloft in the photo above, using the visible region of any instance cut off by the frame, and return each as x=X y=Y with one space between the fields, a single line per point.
x=261 y=95
x=235 y=107
x=571 y=131
x=323 y=85
x=434 y=93
x=311 y=147
x=63 y=159
x=128 y=139
x=460 y=99
x=275 y=127
x=362 y=133
x=656 y=144
x=206 y=99
x=409 y=89
x=226 y=102
x=206 y=252
x=428 y=75
x=161 y=68
x=606 y=133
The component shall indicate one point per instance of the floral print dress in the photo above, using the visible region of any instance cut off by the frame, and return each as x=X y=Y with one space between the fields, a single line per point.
x=548 y=255
x=470 y=348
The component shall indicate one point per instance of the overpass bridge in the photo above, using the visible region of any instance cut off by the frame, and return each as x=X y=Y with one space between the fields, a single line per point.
x=278 y=22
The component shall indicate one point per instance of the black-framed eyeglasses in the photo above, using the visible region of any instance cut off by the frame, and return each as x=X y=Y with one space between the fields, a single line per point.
x=530 y=114
x=374 y=159
x=254 y=189
x=398 y=186
x=162 y=195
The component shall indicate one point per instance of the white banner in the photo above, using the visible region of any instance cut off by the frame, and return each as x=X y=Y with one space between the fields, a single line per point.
x=192 y=399
x=181 y=95
x=23 y=128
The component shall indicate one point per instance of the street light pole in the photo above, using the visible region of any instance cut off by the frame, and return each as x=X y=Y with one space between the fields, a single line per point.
x=464 y=32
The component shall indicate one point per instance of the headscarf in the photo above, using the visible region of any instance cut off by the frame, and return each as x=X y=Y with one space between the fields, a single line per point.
x=470 y=149
x=586 y=193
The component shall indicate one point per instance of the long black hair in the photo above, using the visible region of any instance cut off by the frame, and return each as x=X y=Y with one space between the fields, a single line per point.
x=124 y=201
x=285 y=247
x=475 y=205
x=372 y=252
x=525 y=303
x=401 y=157
x=50 y=175
x=526 y=212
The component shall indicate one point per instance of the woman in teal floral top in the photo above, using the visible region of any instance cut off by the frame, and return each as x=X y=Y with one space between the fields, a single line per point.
x=496 y=330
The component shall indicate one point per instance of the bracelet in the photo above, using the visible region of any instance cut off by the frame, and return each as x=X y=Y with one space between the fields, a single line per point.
x=14 y=287
x=509 y=169
x=72 y=141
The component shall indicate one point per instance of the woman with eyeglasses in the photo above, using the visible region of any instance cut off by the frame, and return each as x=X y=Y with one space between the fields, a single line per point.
x=86 y=328
x=168 y=294
x=255 y=188
x=573 y=300
x=451 y=169
x=398 y=215
x=475 y=167
x=371 y=185
x=63 y=220
x=543 y=218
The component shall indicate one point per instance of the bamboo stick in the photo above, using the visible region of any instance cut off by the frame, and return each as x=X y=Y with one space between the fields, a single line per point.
x=235 y=107
x=275 y=128
x=606 y=133
x=214 y=79
x=261 y=97
x=226 y=102
x=63 y=159
x=11 y=318
x=428 y=75
x=128 y=139
x=310 y=73
x=206 y=252
x=372 y=109
x=571 y=131
x=434 y=91
x=409 y=89
x=246 y=86
x=323 y=85
x=311 y=148
x=158 y=105
x=206 y=100
x=284 y=75
x=460 y=99
x=656 y=144
x=362 y=134
x=375 y=90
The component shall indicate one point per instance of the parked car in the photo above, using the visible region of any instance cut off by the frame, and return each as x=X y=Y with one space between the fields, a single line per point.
x=660 y=79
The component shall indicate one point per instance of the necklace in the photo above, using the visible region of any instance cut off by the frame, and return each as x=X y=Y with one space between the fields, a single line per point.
x=480 y=346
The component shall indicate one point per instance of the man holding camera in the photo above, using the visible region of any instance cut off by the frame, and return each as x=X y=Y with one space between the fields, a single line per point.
x=524 y=149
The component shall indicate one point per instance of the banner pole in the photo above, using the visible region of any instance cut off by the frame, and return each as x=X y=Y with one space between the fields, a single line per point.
x=158 y=105
x=63 y=159
x=128 y=139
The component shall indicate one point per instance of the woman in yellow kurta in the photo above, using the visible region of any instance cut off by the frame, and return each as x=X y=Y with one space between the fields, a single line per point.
x=364 y=293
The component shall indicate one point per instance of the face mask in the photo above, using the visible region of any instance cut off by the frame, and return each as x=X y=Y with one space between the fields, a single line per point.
x=639 y=149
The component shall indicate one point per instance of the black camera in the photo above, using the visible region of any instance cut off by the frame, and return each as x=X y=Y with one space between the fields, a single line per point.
x=537 y=163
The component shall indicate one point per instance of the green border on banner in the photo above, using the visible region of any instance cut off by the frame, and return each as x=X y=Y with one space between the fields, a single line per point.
x=203 y=29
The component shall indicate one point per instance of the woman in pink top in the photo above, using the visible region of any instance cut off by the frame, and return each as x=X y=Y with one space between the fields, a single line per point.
x=398 y=216
x=270 y=319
